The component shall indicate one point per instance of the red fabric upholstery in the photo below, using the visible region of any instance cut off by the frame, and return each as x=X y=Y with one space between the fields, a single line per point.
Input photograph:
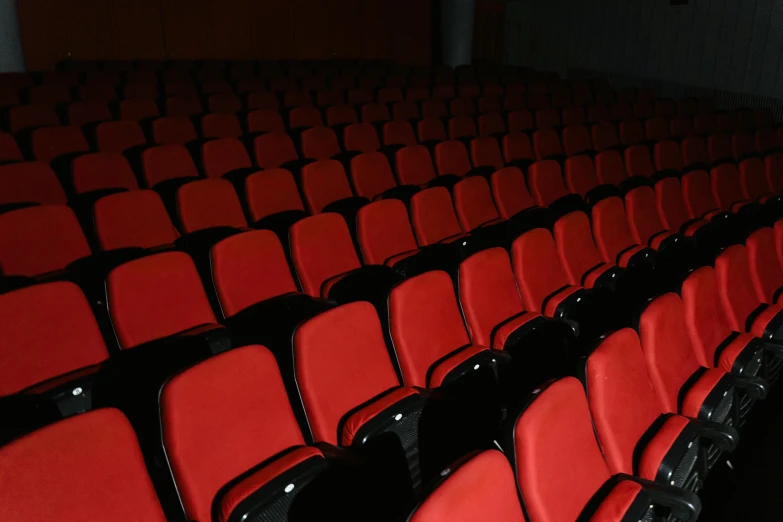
x=604 y=136
x=304 y=116
x=102 y=170
x=481 y=489
x=462 y=126
x=681 y=126
x=384 y=231
x=473 y=203
x=361 y=137
x=577 y=251
x=273 y=149
x=766 y=140
x=773 y=164
x=520 y=120
x=451 y=157
x=576 y=139
x=321 y=248
x=271 y=191
x=236 y=405
x=743 y=143
x=371 y=174
x=643 y=110
x=133 y=219
x=96 y=464
x=248 y=268
x=341 y=363
x=624 y=406
x=609 y=168
x=37 y=240
x=720 y=147
x=668 y=156
x=555 y=449
x=28 y=116
x=226 y=103
x=265 y=120
x=580 y=175
x=753 y=179
x=638 y=162
x=30 y=182
x=726 y=186
x=49 y=330
x=546 y=182
x=574 y=115
x=84 y=112
x=398 y=133
x=186 y=105
x=414 y=165
x=617 y=502
x=739 y=300
x=319 y=143
x=208 y=203
x=671 y=206
x=547 y=119
x=657 y=129
x=538 y=271
x=694 y=151
x=117 y=136
x=405 y=111
x=426 y=327
x=485 y=151
x=50 y=142
x=340 y=114
x=324 y=182
x=223 y=155
x=167 y=162
x=766 y=273
x=355 y=421
x=431 y=128
x=433 y=217
x=611 y=232
x=173 y=130
x=546 y=144
x=9 y=150
x=671 y=359
x=372 y=112
x=631 y=132
x=697 y=193
x=156 y=296
x=491 y=124
x=643 y=220
x=50 y=95
x=462 y=107
x=510 y=192
x=221 y=125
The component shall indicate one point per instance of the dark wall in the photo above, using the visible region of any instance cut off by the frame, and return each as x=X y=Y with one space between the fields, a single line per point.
x=55 y=30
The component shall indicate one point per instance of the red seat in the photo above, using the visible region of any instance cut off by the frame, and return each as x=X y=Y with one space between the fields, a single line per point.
x=631 y=132
x=9 y=150
x=766 y=140
x=546 y=144
x=265 y=120
x=643 y=110
x=697 y=192
x=462 y=127
x=173 y=129
x=433 y=217
x=547 y=119
x=133 y=219
x=185 y=105
x=405 y=111
x=598 y=113
x=304 y=117
x=384 y=232
x=672 y=209
x=262 y=100
x=638 y=161
x=434 y=108
x=720 y=148
x=612 y=234
x=644 y=221
x=341 y=115
x=657 y=129
x=773 y=164
x=510 y=192
x=491 y=124
x=30 y=182
x=398 y=133
x=609 y=168
x=50 y=142
x=319 y=143
x=371 y=175
x=414 y=165
x=102 y=170
x=273 y=150
x=209 y=203
x=765 y=269
x=516 y=146
x=221 y=126
x=580 y=176
x=361 y=137
x=687 y=107
x=546 y=182
x=462 y=107
x=576 y=140
x=323 y=183
x=520 y=120
x=118 y=136
x=49 y=95
x=727 y=187
x=705 y=124
x=694 y=152
x=753 y=179
x=743 y=144
x=681 y=127
x=372 y=112
x=604 y=136
x=573 y=115
x=84 y=112
x=28 y=116
x=223 y=156
x=166 y=162
x=578 y=254
x=473 y=203
x=668 y=156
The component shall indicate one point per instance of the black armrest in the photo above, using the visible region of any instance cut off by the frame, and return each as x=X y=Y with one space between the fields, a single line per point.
x=773 y=348
x=215 y=337
x=755 y=387
x=685 y=505
x=724 y=437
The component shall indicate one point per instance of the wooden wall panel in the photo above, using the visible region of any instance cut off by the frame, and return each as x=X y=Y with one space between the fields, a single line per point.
x=54 y=30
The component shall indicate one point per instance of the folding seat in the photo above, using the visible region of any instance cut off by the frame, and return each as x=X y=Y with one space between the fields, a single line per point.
x=773 y=164
x=40 y=239
x=491 y=124
x=326 y=189
x=489 y=104
x=31 y=182
x=84 y=112
x=398 y=133
x=338 y=115
x=462 y=107
x=29 y=116
x=743 y=145
x=561 y=99
x=765 y=269
x=389 y=95
x=638 y=161
x=443 y=92
x=452 y=162
x=556 y=424
x=643 y=111
x=581 y=179
x=224 y=103
x=548 y=188
x=536 y=101
x=9 y=97
x=627 y=95
x=102 y=441
x=686 y=107
x=705 y=125
x=694 y=153
x=604 y=136
x=766 y=141
x=326 y=98
x=360 y=137
x=755 y=186
x=49 y=95
x=405 y=110
x=715 y=343
x=473 y=204
x=371 y=83
x=576 y=140
x=653 y=443
x=68 y=78
x=621 y=112
x=49 y=143
x=319 y=143
x=375 y=112
x=469 y=91
x=274 y=149
x=699 y=199
x=273 y=201
x=631 y=132
x=681 y=127
x=485 y=152
x=118 y=136
x=668 y=158
x=264 y=120
x=546 y=145
x=293 y=99
x=726 y=122
x=9 y=150
x=657 y=129
x=225 y=157
x=609 y=168
x=138 y=109
x=170 y=164
x=598 y=114
x=666 y=109
x=462 y=127
x=262 y=100
x=582 y=98
x=727 y=187
x=417 y=93
x=517 y=150
x=359 y=97
x=221 y=125
x=547 y=118
x=209 y=204
x=313 y=83
x=185 y=105
x=673 y=214
x=414 y=165
x=173 y=130
x=573 y=116
x=433 y=217
x=514 y=102
x=613 y=236
x=140 y=91
x=133 y=219
x=304 y=117
x=744 y=310
x=102 y=171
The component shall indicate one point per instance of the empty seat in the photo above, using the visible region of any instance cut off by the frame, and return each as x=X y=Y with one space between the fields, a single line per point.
x=517 y=150
x=140 y=91
x=580 y=177
x=643 y=110
x=462 y=127
x=727 y=187
x=30 y=182
x=604 y=136
x=273 y=200
x=227 y=103
x=485 y=152
x=262 y=100
x=102 y=441
x=727 y=122
x=672 y=210
x=451 y=158
x=133 y=219
x=609 y=168
x=405 y=111
x=385 y=233
x=361 y=137
x=547 y=119
x=613 y=236
x=209 y=203
x=433 y=217
x=220 y=126
x=491 y=124
x=398 y=133
x=333 y=98
x=657 y=129
x=372 y=112
x=509 y=192
x=185 y=105
x=721 y=148
x=84 y=112
x=173 y=129
x=296 y=99
x=431 y=130
x=668 y=157
x=372 y=177
x=621 y=112
x=50 y=142
x=754 y=180
x=155 y=297
x=9 y=150
x=638 y=161
x=573 y=116
x=578 y=254
x=341 y=115
x=766 y=140
x=28 y=116
x=548 y=188
x=743 y=145
x=138 y=109
x=694 y=153
x=644 y=221
x=598 y=113
x=304 y=117
x=101 y=171
x=473 y=203
x=546 y=144
x=433 y=109
x=319 y=143
x=415 y=94
x=765 y=270
x=631 y=132
x=576 y=140
x=520 y=120
x=274 y=149
x=326 y=189
x=462 y=107
x=414 y=165
x=166 y=162
x=697 y=192
x=537 y=101
x=41 y=239
x=773 y=164
x=49 y=95
x=118 y=136
x=224 y=156
x=705 y=124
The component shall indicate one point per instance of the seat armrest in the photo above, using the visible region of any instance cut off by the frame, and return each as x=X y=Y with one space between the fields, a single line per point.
x=755 y=387
x=773 y=347
x=724 y=437
x=685 y=506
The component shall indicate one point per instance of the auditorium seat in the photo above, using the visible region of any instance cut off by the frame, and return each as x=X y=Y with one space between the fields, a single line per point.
x=461 y=127
x=273 y=201
x=372 y=178
x=668 y=159
x=31 y=182
x=621 y=112
x=643 y=110
x=548 y=188
x=613 y=237
x=83 y=112
x=40 y=239
x=138 y=109
x=433 y=217
x=9 y=149
x=576 y=140
x=295 y=99
x=414 y=165
x=133 y=219
x=274 y=149
x=753 y=179
x=326 y=189
x=319 y=143
x=681 y=127
x=225 y=103
x=225 y=157
x=657 y=129
x=170 y=164
x=548 y=119
x=631 y=132
x=517 y=150
x=100 y=171
x=766 y=141
x=509 y=192
x=208 y=204
x=773 y=164
x=473 y=204
x=221 y=125
x=598 y=113
x=579 y=256
x=303 y=117
x=491 y=124
x=727 y=187
x=485 y=152
x=697 y=192
x=720 y=149
x=118 y=136
x=173 y=130
x=30 y=116
x=645 y=223
x=375 y=112
x=573 y=115
x=461 y=107
x=546 y=145
x=695 y=154
x=184 y=105
x=743 y=145
x=520 y=121
x=49 y=143
x=261 y=100
x=48 y=95
x=452 y=162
